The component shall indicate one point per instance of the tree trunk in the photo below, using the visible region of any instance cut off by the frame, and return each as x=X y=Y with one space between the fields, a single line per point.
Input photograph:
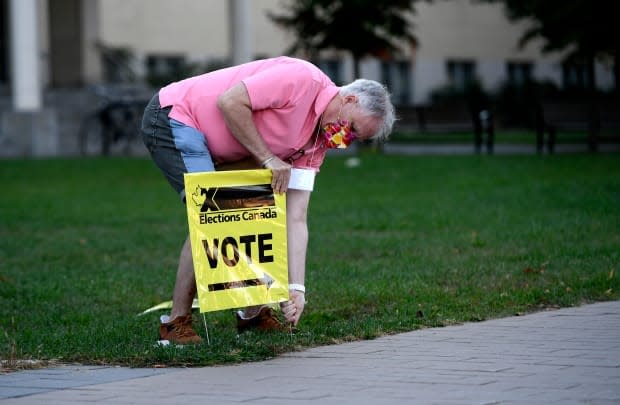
x=617 y=72
x=356 y=67
x=593 y=125
x=591 y=89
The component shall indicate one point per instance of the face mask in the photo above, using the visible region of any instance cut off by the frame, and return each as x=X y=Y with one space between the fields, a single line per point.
x=338 y=134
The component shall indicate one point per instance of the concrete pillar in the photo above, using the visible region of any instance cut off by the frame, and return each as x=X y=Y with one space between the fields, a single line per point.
x=92 y=63
x=240 y=31
x=25 y=64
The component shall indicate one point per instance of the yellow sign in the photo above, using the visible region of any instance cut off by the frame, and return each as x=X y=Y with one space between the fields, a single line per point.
x=237 y=227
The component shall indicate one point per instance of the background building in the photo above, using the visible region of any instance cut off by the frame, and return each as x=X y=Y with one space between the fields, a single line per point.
x=52 y=50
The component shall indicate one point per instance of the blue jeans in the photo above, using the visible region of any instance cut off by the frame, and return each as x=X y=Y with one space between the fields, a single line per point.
x=175 y=147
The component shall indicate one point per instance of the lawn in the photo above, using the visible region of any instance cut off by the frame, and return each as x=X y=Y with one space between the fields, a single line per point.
x=396 y=244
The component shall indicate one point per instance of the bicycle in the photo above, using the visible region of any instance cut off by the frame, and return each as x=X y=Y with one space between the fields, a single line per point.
x=114 y=127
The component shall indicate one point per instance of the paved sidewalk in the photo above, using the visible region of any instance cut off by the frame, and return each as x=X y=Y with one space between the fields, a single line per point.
x=568 y=356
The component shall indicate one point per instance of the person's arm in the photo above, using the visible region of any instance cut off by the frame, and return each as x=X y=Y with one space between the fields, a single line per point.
x=236 y=108
x=297 y=242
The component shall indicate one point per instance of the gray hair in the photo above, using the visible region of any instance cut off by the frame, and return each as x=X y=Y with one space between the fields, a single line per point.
x=374 y=98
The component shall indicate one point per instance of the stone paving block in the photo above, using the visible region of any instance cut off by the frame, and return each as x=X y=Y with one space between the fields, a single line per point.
x=11 y=392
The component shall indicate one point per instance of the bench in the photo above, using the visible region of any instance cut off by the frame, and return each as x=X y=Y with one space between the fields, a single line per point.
x=608 y=124
x=598 y=120
x=447 y=118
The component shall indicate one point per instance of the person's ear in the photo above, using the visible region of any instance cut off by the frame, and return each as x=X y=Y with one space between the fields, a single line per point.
x=350 y=99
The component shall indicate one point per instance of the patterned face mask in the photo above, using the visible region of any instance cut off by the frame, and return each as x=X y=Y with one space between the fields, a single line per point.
x=338 y=135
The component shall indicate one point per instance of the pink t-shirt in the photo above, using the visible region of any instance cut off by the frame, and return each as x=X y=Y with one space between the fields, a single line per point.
x=287 y=96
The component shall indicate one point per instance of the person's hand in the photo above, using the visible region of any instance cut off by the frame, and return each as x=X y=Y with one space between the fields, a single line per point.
x=293 y=308
x=281 y=173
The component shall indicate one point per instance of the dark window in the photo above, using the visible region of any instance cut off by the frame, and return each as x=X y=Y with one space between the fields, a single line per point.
x=575 y=76
x=164 y=69
x=461 y=74
x=519 y=73
x=333 y=69
x=395 y=75
x=117 y=65
x=164 y=65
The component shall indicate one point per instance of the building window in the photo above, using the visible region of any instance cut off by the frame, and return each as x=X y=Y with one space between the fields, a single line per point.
x=461 y=73
x=333 y=69
x=575 y=76
x=162 y=65
x=395 y=75
x=117 y=65
x=163 y=69
x=519 y=73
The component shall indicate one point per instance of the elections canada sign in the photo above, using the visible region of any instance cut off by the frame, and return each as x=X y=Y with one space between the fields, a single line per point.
x=237 y=230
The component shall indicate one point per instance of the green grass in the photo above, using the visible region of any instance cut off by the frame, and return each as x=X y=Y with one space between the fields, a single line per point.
x=396 y=244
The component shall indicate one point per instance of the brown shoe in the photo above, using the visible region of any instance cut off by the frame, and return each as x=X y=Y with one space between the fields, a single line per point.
x=178 y=331
x=266 y=320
